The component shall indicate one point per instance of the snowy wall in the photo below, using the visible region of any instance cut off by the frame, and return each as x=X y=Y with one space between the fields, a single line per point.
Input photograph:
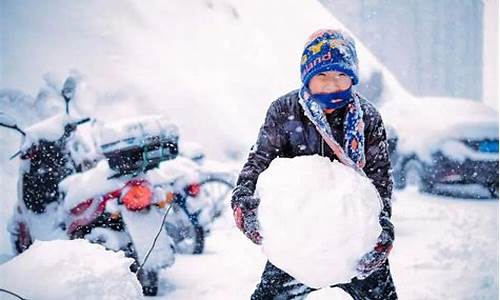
x=433 y=47
x=490 y=53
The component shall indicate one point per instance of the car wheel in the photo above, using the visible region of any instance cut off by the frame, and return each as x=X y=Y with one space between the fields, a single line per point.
x=493 y=188
x=398 y=177
x=414 y=176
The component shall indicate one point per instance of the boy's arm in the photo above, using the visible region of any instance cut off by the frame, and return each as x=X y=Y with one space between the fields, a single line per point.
x=269 y=145
x=378 y=169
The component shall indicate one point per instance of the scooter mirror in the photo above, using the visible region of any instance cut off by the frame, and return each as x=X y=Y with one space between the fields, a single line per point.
x=68 y=91
x=9 y=122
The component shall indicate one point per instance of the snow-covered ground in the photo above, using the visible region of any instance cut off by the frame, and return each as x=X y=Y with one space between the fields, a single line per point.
x=445 y=248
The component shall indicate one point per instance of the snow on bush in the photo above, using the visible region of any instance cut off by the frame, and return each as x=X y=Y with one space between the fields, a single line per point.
x=318 y=218
x=329 y=294
x=73 y=269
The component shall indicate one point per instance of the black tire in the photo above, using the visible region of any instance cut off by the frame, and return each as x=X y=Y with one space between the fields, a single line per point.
x=187 y=234
x=149 y=282
x=414 y=171
x=399 y=180
x=398 y=174
x=188 y=237
x=199 y=244
x=217 y=188
x=493 y=188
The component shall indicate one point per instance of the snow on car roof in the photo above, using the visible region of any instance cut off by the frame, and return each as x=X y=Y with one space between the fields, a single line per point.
x=423 y=122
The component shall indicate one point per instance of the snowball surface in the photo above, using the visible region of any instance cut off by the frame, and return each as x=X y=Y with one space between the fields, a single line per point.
x=317 y=217
x=329 y=294
x=75 y=269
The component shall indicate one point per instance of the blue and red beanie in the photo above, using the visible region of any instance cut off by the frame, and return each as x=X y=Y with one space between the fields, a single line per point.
x=329 y=50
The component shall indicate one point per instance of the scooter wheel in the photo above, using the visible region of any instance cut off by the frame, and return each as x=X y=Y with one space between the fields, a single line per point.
x=188 y=238
x=149 y=282
x=199 y=245
x=149 y=290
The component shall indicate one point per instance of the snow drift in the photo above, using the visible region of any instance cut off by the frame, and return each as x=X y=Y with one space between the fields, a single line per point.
x=77 y=269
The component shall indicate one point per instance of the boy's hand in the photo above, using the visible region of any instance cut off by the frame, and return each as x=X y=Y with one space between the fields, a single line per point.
x=245 y=217
x=373 y=260
x=376 y=258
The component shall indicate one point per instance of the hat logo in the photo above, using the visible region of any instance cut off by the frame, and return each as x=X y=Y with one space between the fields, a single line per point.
x=316 y=47
x=318 y=60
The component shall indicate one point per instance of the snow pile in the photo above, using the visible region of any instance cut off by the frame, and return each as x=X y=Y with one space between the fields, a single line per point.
x=180 y=171
x=329 y=294
x=119 y=134
x=318 y=218
x=70 y=270
x=92 y=183
x=49 y=129
x=97 y=181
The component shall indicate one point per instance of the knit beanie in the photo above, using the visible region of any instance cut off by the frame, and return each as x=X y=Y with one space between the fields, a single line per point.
x=329 y=50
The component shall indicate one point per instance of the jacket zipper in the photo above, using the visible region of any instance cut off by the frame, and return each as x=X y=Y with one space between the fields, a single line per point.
x=322 y=147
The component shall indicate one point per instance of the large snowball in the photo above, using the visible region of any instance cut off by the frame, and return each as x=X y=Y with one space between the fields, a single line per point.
x=76 y=269
x=318 y=218
x=329 y=294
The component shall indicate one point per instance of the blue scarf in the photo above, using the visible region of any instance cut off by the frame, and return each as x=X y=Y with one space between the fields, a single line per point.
x=333 y=100
x=353 y=153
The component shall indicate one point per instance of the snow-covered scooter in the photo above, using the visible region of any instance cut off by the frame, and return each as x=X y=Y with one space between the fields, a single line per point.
x=49 y=152
x=127 y=199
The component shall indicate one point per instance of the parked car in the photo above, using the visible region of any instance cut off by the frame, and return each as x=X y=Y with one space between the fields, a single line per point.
x=444 y=145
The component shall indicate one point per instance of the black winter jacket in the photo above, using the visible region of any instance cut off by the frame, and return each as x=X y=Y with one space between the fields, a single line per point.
x=287 y=132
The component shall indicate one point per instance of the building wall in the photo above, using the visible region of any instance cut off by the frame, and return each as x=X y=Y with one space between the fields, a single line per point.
x=490 y=53
x=434 y=47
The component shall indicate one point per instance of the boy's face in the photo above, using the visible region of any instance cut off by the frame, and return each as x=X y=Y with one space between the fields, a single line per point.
x=329 y=82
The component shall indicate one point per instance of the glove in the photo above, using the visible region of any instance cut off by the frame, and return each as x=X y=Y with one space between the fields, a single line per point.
x=376 y=258
x=245 y=217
